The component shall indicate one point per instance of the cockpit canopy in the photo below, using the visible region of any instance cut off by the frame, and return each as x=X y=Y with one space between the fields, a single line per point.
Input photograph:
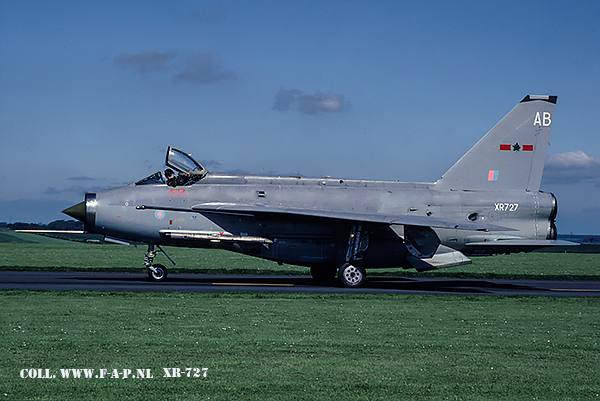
x=183 y=162
x=180 y=162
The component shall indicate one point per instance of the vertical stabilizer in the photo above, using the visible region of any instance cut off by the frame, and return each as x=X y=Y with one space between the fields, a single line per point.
x=511 y=155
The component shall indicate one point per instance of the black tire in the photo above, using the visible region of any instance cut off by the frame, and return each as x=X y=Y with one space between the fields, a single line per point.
x=160 y=275
x=352 y=276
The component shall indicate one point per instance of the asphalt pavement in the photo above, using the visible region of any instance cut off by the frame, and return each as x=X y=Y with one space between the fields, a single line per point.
x=304 y=284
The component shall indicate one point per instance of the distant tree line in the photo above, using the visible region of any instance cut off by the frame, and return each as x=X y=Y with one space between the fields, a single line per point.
x=68 y=225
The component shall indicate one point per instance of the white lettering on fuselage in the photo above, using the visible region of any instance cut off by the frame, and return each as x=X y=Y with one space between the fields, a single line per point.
x=506 y=207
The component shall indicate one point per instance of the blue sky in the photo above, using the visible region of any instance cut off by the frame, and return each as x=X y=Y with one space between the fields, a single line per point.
x=93 y=92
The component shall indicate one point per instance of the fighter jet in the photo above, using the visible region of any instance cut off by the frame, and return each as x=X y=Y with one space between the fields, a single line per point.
x=489 y=202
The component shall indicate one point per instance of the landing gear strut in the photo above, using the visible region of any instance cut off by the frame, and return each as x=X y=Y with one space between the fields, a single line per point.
x=351 y=275
x=156 y=272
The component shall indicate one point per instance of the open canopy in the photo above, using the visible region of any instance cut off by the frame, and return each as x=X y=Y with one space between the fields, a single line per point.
x=183 y=162
x=180 y=162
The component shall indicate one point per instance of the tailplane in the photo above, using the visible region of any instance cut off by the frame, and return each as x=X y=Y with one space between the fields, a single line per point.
x=511 y=155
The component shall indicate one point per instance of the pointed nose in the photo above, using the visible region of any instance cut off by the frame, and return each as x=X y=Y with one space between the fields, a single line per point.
x=76 y=211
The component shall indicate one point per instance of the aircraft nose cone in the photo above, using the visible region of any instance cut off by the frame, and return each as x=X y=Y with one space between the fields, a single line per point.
x=76 y=211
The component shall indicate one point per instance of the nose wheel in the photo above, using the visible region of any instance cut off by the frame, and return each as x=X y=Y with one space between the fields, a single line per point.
x=156 y=272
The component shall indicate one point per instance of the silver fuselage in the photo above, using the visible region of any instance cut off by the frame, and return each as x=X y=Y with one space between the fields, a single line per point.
x=156 y=213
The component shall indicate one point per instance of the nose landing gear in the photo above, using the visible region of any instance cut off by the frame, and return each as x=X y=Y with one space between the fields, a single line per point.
x=156 y=272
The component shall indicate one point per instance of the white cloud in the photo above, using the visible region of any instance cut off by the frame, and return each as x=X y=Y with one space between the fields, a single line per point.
x=310 y=103
x=284 y=99
x=569 y=167
x=202 y=68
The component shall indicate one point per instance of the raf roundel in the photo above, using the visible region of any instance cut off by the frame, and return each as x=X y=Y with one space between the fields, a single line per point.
x=159 y=214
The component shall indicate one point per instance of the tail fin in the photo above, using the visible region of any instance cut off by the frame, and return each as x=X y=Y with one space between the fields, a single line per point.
x=511 y=155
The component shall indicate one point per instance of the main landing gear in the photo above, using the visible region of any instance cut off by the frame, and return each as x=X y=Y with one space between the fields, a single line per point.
x=156 y=272
x=350 y=274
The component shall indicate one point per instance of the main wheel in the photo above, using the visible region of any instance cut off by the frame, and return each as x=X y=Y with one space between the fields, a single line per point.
x=159 y=275
x=352 y=276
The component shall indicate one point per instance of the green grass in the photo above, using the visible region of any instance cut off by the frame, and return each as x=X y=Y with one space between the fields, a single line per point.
x=72 y=256
x=57 y=255
x=12 y=237
x=297 y=346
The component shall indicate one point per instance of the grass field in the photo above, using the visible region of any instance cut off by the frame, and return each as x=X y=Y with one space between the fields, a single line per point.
x=51 y=254
x=293 y=346
x=300 y=347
